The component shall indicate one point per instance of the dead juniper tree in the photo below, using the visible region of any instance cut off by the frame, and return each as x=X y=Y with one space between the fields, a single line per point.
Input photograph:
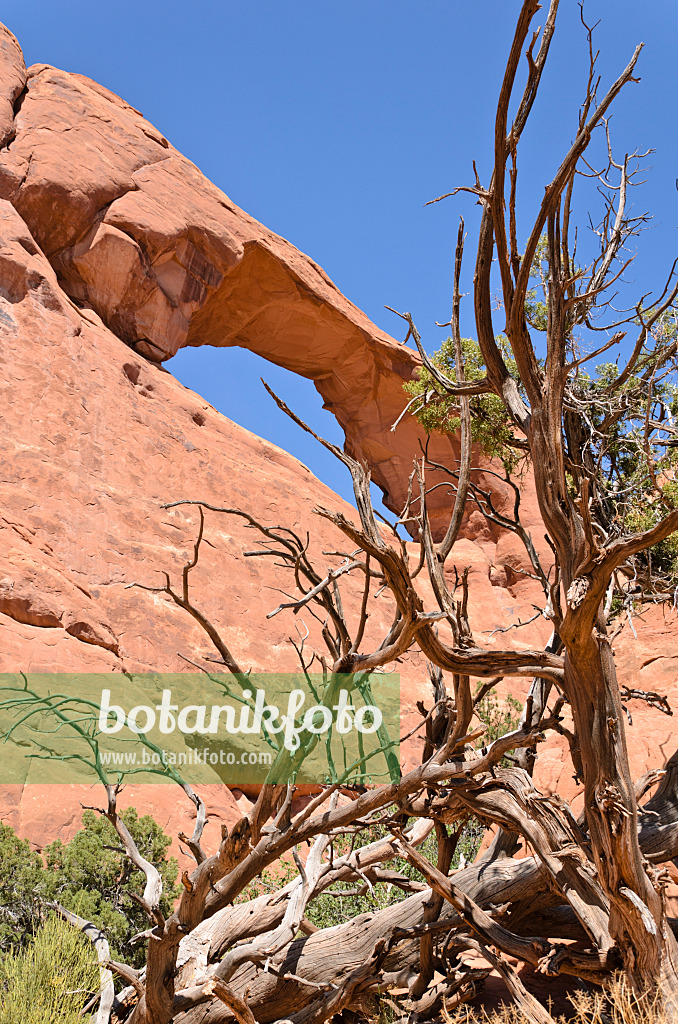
x=599 y=447
x=595 y=444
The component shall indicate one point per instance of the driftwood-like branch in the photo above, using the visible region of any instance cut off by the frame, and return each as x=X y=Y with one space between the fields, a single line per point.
x=589 y=899
x=465 y=456
x=551 y=959
x=231 y=999
x=100 y=943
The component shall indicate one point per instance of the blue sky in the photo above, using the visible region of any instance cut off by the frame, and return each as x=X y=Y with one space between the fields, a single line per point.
x=334 y=121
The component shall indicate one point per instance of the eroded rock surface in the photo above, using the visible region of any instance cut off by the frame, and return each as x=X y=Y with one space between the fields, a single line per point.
x=12 y=82
x=114 y=252
x=138 y=234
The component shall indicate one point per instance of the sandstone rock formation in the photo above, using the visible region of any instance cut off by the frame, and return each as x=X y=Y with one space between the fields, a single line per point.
x=12 y=82
x=95 y=440
x=114 y=252
x=135 y=232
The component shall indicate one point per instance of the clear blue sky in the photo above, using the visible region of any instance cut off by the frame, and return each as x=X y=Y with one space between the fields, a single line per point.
x=334 y=121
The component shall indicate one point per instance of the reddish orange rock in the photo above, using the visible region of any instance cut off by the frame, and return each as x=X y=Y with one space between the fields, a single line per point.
x=114 y=252
x=12 y=83
x=137 y=233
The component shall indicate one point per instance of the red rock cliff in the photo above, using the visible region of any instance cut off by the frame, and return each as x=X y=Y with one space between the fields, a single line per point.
x=114 y=252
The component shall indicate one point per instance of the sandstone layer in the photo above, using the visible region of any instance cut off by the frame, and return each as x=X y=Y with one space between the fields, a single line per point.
x=114 y=252
x=135 y=232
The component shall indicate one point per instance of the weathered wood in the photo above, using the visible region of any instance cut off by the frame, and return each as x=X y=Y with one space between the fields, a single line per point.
x=590 y=880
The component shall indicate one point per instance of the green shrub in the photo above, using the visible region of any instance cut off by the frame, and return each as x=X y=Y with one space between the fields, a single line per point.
x=51 y=979
x=90 y=875
x=498 y=717
x=24 y=885
x=439 y=413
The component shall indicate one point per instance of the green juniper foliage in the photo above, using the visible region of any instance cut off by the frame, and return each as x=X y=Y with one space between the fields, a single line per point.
x=622 y=437
x=490 y=425
x=94 y=878
x=638 y=491
x=498 y=717
x=24 y=886
x=89 y=875
x=536 y=310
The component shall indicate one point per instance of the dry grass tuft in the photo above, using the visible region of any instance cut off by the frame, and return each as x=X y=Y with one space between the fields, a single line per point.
x=617 y=1004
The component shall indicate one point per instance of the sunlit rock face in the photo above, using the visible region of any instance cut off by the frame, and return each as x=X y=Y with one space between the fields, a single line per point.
x=135 y=232
x=115 y=252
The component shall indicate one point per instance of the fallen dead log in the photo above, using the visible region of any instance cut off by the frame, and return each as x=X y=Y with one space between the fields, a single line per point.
x=331 y=955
